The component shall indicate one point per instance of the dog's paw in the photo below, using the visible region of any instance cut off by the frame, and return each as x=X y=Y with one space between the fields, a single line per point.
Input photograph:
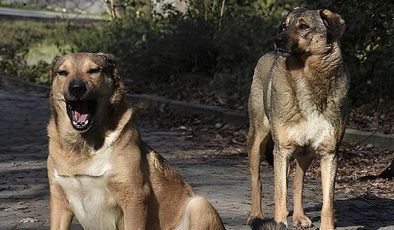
x=302 y=221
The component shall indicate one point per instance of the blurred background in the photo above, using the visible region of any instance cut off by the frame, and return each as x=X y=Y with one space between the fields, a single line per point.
x=201 y=51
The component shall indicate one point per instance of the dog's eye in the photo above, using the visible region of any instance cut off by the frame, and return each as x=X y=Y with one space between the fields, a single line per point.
x=303 y=26
x=62 y=73
x=94 y=70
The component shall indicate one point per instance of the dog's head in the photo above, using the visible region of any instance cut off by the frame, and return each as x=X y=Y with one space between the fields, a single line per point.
x=308 y=32
x=83 y=87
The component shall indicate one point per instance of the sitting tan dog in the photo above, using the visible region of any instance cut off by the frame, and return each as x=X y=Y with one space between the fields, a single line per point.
x=99 y=169
x=298 y=99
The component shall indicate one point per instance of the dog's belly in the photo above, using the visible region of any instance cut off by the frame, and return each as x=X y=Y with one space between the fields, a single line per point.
x=91 y=202
x=313 y=131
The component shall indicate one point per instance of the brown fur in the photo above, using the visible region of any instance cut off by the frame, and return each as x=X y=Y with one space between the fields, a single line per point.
x=147 y=193
x=298 y=99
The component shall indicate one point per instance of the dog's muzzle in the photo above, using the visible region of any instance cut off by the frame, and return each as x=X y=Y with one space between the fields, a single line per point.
x=80 y=109
x=77 y=88
x=280 y=46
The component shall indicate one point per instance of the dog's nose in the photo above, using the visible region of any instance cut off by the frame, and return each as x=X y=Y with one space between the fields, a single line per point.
x=77 y=88
x=279 y=41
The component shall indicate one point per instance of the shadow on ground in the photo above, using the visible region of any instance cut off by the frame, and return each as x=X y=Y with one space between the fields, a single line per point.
x=368 y=211
x=362 y=212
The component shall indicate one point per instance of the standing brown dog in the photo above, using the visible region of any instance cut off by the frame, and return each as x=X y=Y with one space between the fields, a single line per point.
x=299 y=99
x=99 y=169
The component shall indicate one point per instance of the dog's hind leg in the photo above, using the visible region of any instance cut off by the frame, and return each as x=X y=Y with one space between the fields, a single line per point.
x=299 y=217
x=257 y=140
x=200 y=215
x=259 y=132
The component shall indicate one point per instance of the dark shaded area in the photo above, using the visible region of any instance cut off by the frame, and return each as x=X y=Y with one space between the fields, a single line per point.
x=368 y=211
x=208 y=55
x=388 y=173
x=269 y=152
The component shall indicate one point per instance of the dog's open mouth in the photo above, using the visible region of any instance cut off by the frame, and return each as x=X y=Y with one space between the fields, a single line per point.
x=81 y=113
x=282 y=52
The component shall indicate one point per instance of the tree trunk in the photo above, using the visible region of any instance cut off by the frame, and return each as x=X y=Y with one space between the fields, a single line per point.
x=145 y=10
x=116 y=8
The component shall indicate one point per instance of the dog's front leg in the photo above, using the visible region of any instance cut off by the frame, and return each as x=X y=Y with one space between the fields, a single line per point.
x=60 y=213
x=134 y=207
x=299 y=217
x=328 y=166
x=281 y=162
x=135 y=216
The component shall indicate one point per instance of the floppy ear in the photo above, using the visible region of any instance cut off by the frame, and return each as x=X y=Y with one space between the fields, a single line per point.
x=334 y=23
x=110 y=58
x=118 y=82
x=55 y=62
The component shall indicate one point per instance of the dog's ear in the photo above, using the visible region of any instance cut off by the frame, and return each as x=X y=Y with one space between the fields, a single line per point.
x=110 y=63
x=110 y=58
x=55 y=62
x=118 y=82
x=334 y=23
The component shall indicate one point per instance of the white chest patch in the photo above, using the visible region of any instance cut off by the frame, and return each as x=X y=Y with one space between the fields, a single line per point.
x=312 y=131
x=88 y=194
x=91 y=201
x=314 y=128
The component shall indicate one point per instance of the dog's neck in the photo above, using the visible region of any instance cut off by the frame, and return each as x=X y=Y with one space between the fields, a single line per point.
x=324 y=65
x=318 y=73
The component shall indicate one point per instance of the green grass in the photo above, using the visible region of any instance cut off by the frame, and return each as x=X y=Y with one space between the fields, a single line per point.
x=44 y=51
x=28 y=47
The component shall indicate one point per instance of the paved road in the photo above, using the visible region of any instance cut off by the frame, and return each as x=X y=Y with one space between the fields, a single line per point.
x=46 y=15
x=223 y=180
x=23 y=152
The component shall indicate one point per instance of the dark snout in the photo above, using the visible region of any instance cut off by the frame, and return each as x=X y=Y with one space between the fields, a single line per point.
x=283 y=44
x=80 y=105
x=280 y=41
x=77 y=89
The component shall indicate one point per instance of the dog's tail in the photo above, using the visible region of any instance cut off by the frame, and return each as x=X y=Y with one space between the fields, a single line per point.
x=266 y=224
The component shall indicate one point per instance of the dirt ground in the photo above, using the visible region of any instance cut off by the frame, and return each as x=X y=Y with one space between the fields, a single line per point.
x=211 y=158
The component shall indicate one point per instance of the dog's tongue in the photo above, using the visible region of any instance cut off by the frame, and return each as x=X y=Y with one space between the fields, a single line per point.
x=80 y=118
x=81 y=112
